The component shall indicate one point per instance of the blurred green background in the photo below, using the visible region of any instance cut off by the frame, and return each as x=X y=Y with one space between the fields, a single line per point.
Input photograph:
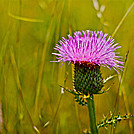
x=29 y=83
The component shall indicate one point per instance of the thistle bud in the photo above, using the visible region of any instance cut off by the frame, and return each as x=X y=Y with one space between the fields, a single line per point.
x=87 y=78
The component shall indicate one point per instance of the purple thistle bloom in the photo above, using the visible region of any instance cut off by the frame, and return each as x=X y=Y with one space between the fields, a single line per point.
x=89 y=47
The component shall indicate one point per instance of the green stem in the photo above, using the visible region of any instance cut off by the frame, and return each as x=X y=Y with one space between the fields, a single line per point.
x=92 y=115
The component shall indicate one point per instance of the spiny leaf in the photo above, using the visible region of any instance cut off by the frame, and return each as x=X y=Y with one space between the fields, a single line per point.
x=78 y=96
x=112 y=120
x=70 y=91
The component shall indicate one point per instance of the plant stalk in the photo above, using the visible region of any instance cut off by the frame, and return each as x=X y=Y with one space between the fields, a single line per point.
x=92 y=115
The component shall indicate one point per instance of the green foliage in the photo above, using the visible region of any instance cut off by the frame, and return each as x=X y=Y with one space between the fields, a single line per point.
x=112 y=120
x=79 y=97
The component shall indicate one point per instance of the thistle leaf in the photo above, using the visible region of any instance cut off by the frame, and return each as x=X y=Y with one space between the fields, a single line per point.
x=78 y=96
x=112 y=120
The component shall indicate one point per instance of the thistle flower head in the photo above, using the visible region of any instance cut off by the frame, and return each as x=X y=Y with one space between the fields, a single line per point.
x=87 y=51
x=89 y=47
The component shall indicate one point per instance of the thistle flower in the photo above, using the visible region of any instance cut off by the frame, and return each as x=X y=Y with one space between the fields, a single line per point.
x=87 y=50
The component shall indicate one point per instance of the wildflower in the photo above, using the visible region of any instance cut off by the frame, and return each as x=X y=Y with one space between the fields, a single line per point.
x=87 y=51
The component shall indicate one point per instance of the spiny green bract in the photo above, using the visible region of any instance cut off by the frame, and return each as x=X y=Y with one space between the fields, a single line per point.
x=87 y=79
x=112 y=120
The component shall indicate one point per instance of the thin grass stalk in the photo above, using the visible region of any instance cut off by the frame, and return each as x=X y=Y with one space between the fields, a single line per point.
x=115 y=31
x=43 y=58
x=123 y=18
x=20 y=89
x=59 y=103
